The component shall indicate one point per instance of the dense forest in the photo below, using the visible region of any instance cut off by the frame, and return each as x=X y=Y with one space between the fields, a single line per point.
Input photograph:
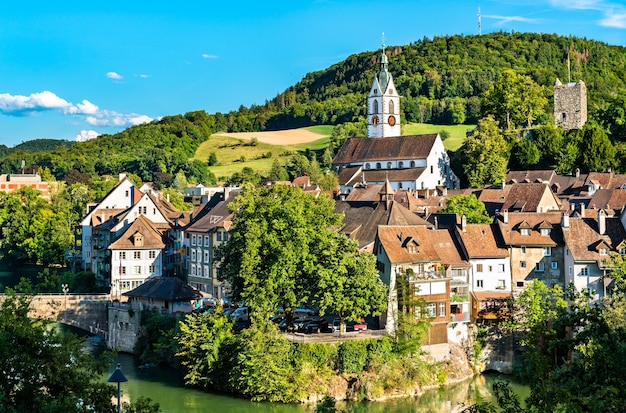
x=443 y=80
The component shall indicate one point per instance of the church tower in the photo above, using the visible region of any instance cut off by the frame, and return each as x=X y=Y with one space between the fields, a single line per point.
x=383 y=104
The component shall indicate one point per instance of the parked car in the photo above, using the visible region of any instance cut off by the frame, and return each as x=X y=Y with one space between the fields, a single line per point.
x=316 y=326
x=336 y=326
x=240 y=314
x=360 y=325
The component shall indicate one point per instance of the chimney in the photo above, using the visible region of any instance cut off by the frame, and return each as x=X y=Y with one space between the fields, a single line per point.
x=565 y=220
x=445 y=191
x=577 y=172
x=582 y=210
x=426 y=194
x=503 y=185
x=463 y=223
x=601 y=222
x=436 y=223
x=505 y=216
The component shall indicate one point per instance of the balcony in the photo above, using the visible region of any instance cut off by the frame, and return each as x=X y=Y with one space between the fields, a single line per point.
x=460 y=318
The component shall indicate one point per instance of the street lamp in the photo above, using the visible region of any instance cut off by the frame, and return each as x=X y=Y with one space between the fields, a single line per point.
x=117 y=377
x=66 y=289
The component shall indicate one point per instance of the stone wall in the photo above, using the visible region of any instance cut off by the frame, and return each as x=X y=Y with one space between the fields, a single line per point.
x=570 y=105
x=124 y=324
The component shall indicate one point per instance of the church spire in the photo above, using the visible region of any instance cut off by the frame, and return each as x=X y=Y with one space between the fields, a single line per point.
x=383 y=102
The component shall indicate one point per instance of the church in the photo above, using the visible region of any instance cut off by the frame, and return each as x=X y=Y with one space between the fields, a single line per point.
x=411 y=162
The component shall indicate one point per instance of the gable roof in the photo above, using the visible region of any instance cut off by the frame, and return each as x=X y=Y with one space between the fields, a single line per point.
x=361 y=219
x=392 y=148
x=392 y=239
x=152 y=237
x=170 y=289
x=480 y=241
x=213 y=216
x=583 y=238
x=528 y=197
x=511 y=234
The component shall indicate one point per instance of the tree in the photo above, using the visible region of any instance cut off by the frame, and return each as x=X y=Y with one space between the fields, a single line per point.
x=271 y=257
x=348 y=283
x=42 y=370
x=597 y=153
x=514 y=99
x=524 y=154
x=485 y=154
x=468 y=206
x=278 y=172
x=212 y=160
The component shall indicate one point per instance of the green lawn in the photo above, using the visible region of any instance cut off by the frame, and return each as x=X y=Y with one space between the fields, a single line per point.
x=233 y=154
x=452 y=143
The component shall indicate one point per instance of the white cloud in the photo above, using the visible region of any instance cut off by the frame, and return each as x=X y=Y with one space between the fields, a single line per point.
x=508 y=19
x=144 y=76
x=18 y=105
x=36 y=103
x=208 y=56
x=578 y=4
x=616 y=19
x=86 y=135
x=114 y=76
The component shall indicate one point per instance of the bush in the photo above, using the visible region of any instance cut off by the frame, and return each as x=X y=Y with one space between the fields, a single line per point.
x=352 y=356
x=320 y=355
x=379 y=351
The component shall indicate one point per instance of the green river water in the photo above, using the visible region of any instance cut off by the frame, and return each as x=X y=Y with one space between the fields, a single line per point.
x=164 y=386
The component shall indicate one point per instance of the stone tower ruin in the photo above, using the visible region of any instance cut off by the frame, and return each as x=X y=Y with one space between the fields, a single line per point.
x=570 y=105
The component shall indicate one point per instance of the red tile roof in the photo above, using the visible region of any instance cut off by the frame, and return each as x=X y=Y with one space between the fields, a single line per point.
x=374 y=149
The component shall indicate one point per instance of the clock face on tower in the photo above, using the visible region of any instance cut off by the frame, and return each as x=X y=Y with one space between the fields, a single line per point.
x=391 y=120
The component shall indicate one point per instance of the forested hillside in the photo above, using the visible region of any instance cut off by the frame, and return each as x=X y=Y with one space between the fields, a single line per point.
x=442 y=80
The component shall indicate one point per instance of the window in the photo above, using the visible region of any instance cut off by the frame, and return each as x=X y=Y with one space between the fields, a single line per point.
x=412 y=164
x=152 y=254
x=489 y=268
x=545 y=232
x=389 y=165
x=520 y=284
x=563 y=117
x=400 y=164
x=122 y=255
x=525 y=231
x=522 y=264
x=584 y=272
x=137 y=255
x=539 y=267
x=547 y=251
x=554 y=265
x=500 y=267
x=571 y=270
x=392 y=108
x=152 y=269
x=206 y=257
x=126 y=193
x=604 y=251
x=206 y=240
x=412 y=248
x=193 y=255
x=431 y=310
x=122 y=270
x=431 y=169
x=479 y=284
x=375 y=106
x=442 y=309
x=193 y=239
x=206 y=271
x=193 y=270
x=378 y=165
x=225 y=236
x=501 y=285
x=622 y=251
x=375 y=120
x=479 y=268
x=219 y=235
x=523 y=249
x=137 y=269
x=145 y=209
x=367 y=165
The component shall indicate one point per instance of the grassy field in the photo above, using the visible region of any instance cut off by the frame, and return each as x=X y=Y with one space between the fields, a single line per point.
x=456 y=132
x=234 y=153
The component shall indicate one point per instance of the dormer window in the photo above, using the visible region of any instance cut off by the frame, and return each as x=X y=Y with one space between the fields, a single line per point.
x=412 y=249
x=400 y=164
x=622 y=251
x=138 y=240
x=604 y=251
x=367 y=166
x=389 y=165
x=378 y=166
x=545 y=232
x=525 y=231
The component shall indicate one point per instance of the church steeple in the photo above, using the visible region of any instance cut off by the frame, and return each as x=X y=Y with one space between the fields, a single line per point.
x=383 y=103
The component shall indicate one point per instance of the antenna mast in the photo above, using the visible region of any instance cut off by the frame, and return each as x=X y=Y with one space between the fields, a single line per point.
x=479 y=24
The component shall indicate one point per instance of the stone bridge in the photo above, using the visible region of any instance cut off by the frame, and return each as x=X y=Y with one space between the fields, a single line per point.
x=87 y=312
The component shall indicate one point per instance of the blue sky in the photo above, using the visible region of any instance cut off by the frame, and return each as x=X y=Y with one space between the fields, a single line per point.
x=75 y=69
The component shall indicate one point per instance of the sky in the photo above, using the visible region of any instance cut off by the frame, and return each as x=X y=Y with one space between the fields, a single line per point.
x=75 y=69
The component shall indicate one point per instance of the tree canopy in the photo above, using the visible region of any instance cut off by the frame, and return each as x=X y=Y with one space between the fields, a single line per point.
x=468 y=206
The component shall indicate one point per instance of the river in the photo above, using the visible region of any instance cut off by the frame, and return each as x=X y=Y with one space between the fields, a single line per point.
x=164 y=386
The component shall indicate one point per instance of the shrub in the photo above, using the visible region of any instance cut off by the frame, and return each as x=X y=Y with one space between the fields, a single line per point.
x=379 y=351
x=352 y=356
